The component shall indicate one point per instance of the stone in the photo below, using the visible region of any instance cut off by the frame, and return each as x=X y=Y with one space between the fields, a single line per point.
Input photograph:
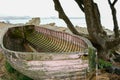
x=51 y=24
x=34 y=21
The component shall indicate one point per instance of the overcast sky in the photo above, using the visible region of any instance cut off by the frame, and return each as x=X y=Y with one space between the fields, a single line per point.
x=45 y=8
x=42 y=8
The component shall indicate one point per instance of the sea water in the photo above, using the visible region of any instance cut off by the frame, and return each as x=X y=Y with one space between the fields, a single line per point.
x=59 y=22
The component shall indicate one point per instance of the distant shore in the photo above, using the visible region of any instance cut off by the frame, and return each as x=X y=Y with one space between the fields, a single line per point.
x=77 y=21
x=53 y=25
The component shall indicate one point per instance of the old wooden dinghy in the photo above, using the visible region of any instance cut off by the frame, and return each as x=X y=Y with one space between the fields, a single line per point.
x=44 y=54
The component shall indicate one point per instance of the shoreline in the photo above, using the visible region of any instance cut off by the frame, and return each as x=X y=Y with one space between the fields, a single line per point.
x=53 y=25
x=59 y=22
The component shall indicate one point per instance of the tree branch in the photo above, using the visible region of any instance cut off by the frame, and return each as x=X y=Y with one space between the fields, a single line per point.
x=80 y=4
x=109 y=1
x=113 y=10
x=114 y=2
x=63 y=16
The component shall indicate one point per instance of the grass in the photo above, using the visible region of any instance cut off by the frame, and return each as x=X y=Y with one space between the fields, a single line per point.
x=104 y=64
x=15 y=75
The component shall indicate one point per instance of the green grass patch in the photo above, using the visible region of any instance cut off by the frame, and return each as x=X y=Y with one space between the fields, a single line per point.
x=15 y=74
x=9 y=68
x=103 y=64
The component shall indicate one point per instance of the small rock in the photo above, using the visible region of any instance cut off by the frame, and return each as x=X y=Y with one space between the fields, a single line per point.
x=34 y=21
x=51 y=24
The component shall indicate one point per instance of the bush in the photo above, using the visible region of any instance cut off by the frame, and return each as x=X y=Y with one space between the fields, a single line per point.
x=23 y=77
x=9 y=68
x=103 y=64
x=17 y=74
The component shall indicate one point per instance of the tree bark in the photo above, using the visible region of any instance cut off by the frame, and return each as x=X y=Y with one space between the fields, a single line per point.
x=94 y=27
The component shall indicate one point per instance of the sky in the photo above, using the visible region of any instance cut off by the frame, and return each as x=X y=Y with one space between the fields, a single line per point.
x=45 y=8
x=41 y=8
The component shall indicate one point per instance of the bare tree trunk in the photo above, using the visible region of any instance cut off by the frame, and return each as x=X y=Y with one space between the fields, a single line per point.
x=95 y=29
x=116 y=27
x=93 y=23
x=97 y=35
